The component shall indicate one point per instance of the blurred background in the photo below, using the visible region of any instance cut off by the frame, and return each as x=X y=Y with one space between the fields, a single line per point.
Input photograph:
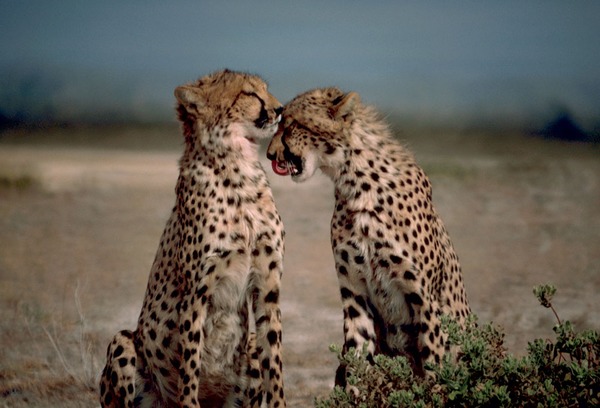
x=511 y=63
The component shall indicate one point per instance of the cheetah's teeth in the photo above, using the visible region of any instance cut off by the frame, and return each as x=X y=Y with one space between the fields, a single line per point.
x=284 y=168
x=291 y=168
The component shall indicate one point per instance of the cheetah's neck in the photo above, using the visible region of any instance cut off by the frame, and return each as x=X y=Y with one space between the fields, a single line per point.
x=223 y=151
x=373 y=163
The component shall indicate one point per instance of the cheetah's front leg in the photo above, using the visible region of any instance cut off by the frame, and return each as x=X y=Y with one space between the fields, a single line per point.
x=117 y=383
x=191 y=340
x=269 y=264
x=359 y=324
x=421 y=335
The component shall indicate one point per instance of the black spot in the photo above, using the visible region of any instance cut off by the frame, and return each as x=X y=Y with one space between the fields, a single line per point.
x=414 y=299
x=329 y=149
x=364 y=333
x=272 y=297
x=262 y=320
x=266 y=364
x=383 y=263
x=395 y=259
x=164 y=372
x=352 y=312
x=166 y=342
x=361 y=302
x=152 y=334
x=127 y=334
x=202 y=290
x=408 y=275
x=118 y=351
x=346 y=293
x=272 y=337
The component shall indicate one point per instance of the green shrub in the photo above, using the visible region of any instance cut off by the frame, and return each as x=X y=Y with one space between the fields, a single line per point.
x=560 y=373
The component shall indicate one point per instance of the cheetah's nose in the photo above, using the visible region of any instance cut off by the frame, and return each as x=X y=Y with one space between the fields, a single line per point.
x=278 y=110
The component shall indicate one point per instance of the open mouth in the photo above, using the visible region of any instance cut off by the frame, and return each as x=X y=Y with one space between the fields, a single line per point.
x=291 y=165
x=284 y=168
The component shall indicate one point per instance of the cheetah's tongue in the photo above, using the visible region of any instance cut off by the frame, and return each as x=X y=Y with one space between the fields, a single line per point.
x=280 y=168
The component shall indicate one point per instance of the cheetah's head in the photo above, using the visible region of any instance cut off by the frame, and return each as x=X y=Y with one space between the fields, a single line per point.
x=235 y=103
x=312 y=134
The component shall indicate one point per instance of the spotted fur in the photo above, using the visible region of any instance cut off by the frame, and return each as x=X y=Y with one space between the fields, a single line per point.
x=396 y=265
x=209 y=332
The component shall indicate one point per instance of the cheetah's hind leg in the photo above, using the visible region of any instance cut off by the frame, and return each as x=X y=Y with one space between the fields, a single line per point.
x=117 y=383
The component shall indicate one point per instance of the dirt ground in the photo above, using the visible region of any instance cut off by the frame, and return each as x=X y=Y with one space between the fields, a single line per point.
x=81 y=213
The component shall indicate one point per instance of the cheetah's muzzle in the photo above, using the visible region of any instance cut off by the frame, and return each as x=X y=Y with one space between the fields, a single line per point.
x=290 y=166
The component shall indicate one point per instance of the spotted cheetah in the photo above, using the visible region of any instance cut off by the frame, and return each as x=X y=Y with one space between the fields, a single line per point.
x=396 y=266
x=209 y=332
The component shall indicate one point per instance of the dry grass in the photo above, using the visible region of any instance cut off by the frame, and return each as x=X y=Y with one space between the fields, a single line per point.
x=82 y=212
x=47 y=362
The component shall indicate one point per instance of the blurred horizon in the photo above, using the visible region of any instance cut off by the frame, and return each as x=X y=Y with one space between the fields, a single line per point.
x=496 y=63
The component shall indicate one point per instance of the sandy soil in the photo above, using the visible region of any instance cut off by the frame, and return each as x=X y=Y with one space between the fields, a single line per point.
x=77 y=239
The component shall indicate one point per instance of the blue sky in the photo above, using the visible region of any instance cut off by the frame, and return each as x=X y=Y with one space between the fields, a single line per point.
x=431 y=60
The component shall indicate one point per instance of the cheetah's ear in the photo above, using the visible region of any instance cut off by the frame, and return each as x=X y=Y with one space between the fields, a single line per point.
x=345 y=107
x=188 y=97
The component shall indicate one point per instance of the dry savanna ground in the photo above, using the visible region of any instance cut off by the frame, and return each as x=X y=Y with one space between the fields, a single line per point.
x=82 y=210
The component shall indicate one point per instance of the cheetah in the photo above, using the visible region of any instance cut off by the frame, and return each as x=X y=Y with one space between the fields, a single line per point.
x=209 y=332
x=395 y=263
